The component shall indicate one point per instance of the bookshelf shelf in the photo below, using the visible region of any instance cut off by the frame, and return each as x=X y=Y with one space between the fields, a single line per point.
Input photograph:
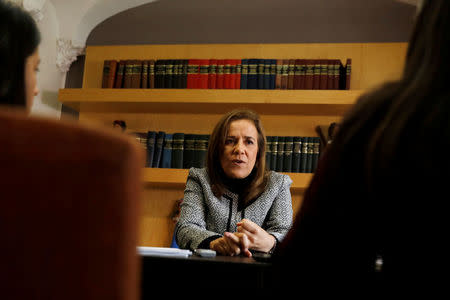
x=177 y=178
x=328 y=102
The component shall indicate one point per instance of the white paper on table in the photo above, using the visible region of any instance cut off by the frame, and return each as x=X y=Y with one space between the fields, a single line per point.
x=163 y=251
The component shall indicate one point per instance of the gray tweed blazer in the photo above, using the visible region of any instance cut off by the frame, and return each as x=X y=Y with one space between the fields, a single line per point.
x=203 y=215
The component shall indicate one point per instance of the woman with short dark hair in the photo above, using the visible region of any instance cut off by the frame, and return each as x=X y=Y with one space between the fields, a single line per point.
x=234 y=205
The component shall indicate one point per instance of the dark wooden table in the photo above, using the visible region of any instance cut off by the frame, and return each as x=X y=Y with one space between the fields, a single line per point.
x=197 y=273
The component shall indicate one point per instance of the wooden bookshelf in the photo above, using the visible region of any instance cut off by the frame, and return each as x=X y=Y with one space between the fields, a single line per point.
x=283 y=112
x=177 y=178
x=303 y=102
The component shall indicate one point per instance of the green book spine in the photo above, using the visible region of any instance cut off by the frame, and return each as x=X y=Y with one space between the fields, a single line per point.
x=316 y=153
x=177 y=150
x=201 y=149
x=296 y=154
x=305 y=142
x=189 y=149
x=287 y=161
x=273 y=161
x=309 y=154
x=280 y=154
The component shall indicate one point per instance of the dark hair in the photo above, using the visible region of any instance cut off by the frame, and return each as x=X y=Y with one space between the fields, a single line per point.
x=404 y=117
x=19 y=38
x=216 y=146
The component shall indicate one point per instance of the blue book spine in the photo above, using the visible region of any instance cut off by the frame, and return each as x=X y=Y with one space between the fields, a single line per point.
x=252 y=78
x=158 y=149
x=151 y=138
x=260 y=73
x=273 y=73
x=244 y=74
x=266 y=84
x=167 y=151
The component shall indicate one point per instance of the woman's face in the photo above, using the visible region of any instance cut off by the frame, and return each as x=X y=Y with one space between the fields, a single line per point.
x=241 y=148
x=31 y=69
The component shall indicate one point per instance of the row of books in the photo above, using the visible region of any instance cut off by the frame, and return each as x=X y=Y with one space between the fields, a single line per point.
x=293 y=154
x=173 y=150
x=309 y=74
x=183 y=151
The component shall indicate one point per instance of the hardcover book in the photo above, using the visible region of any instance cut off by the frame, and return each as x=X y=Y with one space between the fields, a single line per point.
x=309 y=73
x=128 y=74
x=279 y=68
x=168 y=74
x=284 y=74
x=348 y=73
x=192 y=75
x=109 y=73
x=273 y=162
x=260 y=76
x=288 y=146
x=177 y=150
x=220 y=73
x=273 y=73
x=316 y=74
x=189 y=150
x=304 y=156
x=323 y=82
x=158 y=149
x=200 y=150
x=296 y=154
x=167 y=151
x=151 y=73
x=266 y=77
x=252 y=78
x=136 y=74
x=151 y=139
x=212 y=73
x=280 y=154
x=203 y=73
x=244 y=74
x=144 y=77
x=227 y=74
x=237 y=76
x=118 y=84
x=291 y=73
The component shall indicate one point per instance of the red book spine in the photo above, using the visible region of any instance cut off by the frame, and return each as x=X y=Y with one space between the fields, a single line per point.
x=227 y=74
x=212 y=73
x=302 y=74
x=309 y=73
x=284 y=74
x=192 y=73
x=297 y=73
x=316 y=74
x=330 y=68
x=203 y=73
x=237 y=84
x=220 y=74
x=291 y=74
x=323 y=82
x=278 y=74
x=336 y=74
x=119 y=76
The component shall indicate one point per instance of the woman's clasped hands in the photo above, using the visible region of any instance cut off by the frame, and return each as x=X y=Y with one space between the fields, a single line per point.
x=249 y=236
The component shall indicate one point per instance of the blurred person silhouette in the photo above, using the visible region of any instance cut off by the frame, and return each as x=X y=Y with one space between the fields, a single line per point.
x=375 y=209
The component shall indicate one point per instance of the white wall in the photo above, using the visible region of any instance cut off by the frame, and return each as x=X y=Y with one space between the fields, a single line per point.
x=49 y=76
